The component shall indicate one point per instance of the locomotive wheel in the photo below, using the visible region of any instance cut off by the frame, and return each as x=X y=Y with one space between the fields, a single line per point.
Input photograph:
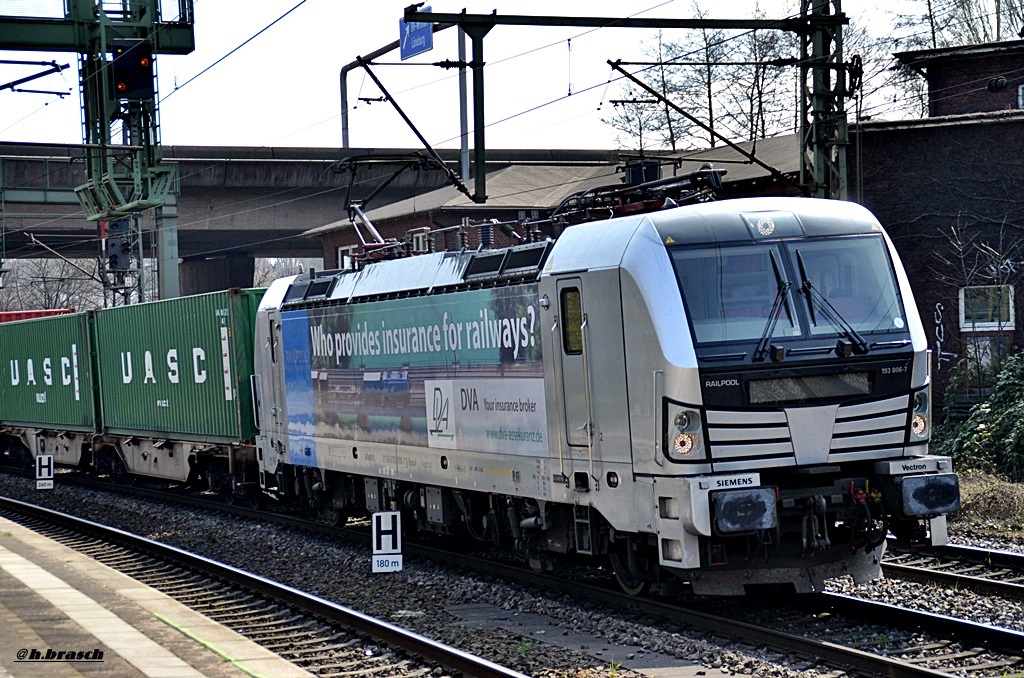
x=633 y=579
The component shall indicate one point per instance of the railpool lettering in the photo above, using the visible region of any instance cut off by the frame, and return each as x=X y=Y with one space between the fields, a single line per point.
x=718 y=383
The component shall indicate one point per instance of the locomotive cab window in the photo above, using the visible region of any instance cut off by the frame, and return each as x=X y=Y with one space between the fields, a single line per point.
x=730 y=292
x=741 y=293
x=853 y=282
x=572 y=321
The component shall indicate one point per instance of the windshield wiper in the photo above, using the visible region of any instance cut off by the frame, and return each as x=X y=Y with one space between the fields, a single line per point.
x=773 y=316
x=860 y=346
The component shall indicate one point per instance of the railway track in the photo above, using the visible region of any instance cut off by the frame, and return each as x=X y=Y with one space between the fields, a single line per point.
x=320 y=636
x=984 y=571
x=830 y=628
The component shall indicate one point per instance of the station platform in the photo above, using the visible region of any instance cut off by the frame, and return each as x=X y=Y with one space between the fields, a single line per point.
x=64 y=614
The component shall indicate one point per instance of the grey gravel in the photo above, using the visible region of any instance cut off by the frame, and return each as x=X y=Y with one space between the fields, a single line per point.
x=419 y=596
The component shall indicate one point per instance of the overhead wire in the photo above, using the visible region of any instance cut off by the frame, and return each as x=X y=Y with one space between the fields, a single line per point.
x=36 y=226
x=151 y=35
x=507 y=118
x=516 y=115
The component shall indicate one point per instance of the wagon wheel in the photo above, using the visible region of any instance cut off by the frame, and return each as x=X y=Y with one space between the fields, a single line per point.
x=235 y=496
x=119 y=472
x=335 y=517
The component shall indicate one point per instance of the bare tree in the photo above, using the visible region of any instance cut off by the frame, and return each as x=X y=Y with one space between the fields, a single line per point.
x=760 y=96
x=949 y=23
x=731 y=82
x=989 y=260
x=270 y=269
x=697 y=88
x=50 y=283
x=637 y=120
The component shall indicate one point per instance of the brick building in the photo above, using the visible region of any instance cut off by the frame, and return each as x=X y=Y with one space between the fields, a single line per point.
x=971 y=79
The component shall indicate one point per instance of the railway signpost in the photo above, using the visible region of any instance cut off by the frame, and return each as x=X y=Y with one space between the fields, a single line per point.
x=416 y=37
x=44 y=472
x=387 y=541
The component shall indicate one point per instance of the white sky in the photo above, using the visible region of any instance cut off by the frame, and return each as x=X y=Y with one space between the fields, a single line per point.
x=282 y=89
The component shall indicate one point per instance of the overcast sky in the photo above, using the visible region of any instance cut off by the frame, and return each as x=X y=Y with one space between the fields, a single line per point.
x=282 y=88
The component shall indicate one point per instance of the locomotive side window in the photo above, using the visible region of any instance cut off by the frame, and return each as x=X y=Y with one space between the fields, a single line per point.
x=572 y=321
x=271 y=341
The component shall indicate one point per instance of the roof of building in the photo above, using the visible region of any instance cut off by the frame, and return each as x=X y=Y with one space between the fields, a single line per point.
x=517 y=186
x=922 y=58
x=780 y=152
x=544 y=186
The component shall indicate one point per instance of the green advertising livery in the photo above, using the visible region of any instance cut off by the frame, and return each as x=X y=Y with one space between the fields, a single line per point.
x=427 y=372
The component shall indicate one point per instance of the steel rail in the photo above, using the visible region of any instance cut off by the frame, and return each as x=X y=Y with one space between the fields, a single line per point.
x=390 y=634
x=835 y=654
x=984 y=571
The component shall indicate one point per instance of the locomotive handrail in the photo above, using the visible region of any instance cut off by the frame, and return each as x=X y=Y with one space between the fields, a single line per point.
x=558 y=403
x=657 y=420
x=586 y=396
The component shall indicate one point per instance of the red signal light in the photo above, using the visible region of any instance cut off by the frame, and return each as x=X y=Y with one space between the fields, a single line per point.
x=131 y=70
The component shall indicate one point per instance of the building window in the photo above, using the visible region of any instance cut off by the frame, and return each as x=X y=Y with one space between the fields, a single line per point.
x=1020 y=96
x=986 y=308
x=345 y=256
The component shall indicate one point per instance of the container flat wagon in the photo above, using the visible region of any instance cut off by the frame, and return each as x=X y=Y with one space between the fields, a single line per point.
x=174 y=388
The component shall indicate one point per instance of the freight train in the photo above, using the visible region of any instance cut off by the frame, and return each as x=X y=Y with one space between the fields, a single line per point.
x=733 y=393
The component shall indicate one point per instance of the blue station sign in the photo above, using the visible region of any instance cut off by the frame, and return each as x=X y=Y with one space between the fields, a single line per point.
x=415 y=37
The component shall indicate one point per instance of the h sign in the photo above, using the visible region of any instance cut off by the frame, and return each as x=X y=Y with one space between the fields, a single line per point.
x=44 y=472
x=387 y=541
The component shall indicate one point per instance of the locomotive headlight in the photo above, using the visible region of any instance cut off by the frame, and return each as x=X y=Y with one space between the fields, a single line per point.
x=686 y=444
x=919 y=422
x=683 y=437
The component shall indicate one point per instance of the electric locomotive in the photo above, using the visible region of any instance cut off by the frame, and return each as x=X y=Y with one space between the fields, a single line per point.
x=736 y=393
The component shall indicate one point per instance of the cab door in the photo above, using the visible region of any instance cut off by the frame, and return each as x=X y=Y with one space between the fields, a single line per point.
x=572 y=325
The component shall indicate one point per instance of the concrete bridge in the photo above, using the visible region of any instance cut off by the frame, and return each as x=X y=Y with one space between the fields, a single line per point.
x=230 y=204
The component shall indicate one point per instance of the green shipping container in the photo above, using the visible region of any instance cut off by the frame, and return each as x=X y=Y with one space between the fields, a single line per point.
x=46 y=374
x=179 y=369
